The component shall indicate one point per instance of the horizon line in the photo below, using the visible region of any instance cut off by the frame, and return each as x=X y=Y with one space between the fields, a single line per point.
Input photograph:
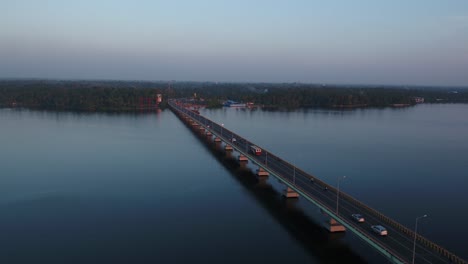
x=232 y=82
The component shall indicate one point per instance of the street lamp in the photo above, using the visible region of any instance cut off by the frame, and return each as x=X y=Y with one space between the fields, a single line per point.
x=338 y=193
x=222 y=125
x=415 y=235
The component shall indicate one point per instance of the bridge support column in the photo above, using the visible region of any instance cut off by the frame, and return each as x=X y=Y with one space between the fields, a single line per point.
x=218 y=146
x=334 y=226
x=243 y=158
x=291 y=204
x=290 y=193
x=228 y=147
x=262 y=182
x=262 y=173
x=208 y=133
x=217 y=139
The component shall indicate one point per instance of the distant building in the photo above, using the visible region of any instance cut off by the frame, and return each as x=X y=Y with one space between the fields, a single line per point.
x=418 y=100
x=231 y=103
x=158 y=98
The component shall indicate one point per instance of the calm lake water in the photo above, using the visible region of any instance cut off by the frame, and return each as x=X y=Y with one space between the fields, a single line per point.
x=142 y=188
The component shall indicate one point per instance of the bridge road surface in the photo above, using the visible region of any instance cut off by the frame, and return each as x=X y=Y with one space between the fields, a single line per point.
x=397 y=246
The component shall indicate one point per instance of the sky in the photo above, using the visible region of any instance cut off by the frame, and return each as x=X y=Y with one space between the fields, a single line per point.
x=398 y=42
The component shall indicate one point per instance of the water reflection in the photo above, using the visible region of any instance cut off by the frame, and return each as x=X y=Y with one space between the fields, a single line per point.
x=318 y=242
x=418 y=152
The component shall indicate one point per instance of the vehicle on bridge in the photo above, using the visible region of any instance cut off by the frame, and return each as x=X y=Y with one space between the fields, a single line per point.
x=395 y=249
x=379 y=230
x=256 y=150
x=358 y=217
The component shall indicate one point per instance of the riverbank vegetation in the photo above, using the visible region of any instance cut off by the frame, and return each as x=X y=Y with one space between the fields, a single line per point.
x=134 y=95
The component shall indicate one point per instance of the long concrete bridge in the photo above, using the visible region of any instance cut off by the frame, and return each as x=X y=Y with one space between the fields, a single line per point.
x=401 y=245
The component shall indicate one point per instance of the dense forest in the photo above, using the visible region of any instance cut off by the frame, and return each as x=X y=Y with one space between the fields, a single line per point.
x=133 y=95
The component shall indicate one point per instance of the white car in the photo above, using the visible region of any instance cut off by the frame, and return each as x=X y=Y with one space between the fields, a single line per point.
x=359 y=218
x=379 y=230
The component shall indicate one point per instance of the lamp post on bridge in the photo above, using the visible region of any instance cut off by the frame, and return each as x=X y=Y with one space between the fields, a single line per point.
x=416 y=234
x=338 y=193
x=222 y=125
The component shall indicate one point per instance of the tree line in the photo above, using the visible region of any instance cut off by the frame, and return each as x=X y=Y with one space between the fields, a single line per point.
x=127 y=95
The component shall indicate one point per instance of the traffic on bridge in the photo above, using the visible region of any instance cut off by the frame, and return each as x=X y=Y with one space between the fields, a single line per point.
x=396 y=242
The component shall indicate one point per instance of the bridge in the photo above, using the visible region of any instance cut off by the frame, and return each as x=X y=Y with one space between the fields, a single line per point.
x=401 y=245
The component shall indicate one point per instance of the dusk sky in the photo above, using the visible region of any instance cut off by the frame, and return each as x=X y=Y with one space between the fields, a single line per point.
x=409 y=42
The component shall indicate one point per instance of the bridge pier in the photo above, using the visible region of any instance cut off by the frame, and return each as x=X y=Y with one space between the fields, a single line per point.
x=243 y=166
x=290 y=193
x=333 y=226
x=228 y=147
x=262 y=182
x=291 y=204
x=394 y=253
x=262 y=173
x=243 y=158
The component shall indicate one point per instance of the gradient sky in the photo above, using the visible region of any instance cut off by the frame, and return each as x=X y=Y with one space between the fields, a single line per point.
x=414 y=42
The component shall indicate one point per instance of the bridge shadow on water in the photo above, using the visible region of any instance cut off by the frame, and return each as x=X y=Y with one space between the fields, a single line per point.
x=322 y=245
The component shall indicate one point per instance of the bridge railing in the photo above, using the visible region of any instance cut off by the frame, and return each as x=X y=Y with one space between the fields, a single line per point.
x=385 y=219
x=444 y=253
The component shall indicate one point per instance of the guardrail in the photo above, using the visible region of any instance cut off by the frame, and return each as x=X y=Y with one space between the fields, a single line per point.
x=444 y=253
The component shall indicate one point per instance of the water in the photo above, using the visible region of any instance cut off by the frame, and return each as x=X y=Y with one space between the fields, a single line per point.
x=96 y=188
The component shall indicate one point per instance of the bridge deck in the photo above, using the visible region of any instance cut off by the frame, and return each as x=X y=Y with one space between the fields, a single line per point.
x=397 y=246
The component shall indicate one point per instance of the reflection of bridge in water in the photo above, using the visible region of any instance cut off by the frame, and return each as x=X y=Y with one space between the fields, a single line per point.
x=397 y=246
x=319 y=243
